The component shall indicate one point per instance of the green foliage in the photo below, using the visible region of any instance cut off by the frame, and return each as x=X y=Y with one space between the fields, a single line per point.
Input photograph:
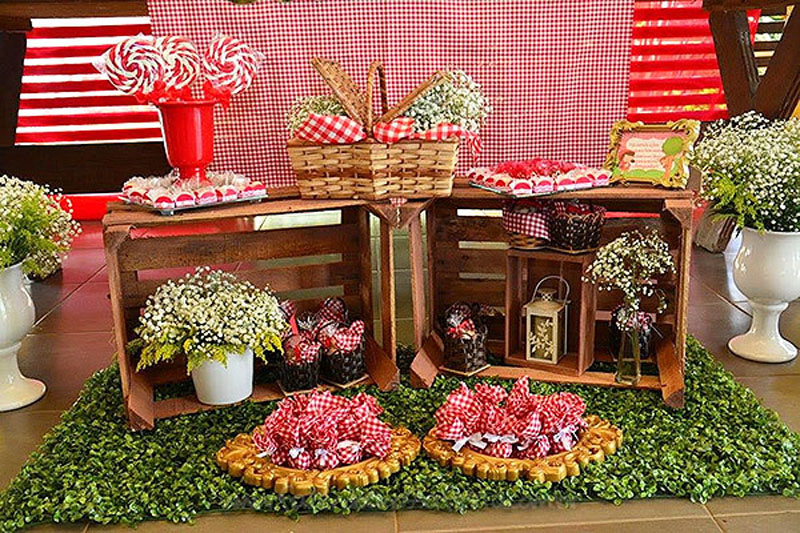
x=90 y=467
x=34 y=229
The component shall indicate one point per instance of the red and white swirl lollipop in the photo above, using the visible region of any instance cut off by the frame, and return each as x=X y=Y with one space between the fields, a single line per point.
x=181 y=63
x=134 y=66
x=229 y=66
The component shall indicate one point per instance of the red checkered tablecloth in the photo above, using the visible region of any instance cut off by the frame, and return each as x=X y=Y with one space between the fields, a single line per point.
x=556 y=72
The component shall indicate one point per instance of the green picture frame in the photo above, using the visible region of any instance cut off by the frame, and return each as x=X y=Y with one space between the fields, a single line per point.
x=652 y=153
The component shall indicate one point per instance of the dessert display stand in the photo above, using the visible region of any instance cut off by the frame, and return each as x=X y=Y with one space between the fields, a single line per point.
x=305 y=264
x=469 y=260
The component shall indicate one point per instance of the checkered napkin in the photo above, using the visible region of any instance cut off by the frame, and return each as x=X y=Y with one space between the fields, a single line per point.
x=348 y=339
x=515 y=424
x=322 y=431
x=579 y=208
x=330 y=129
x=396 y=130
x=527 y=218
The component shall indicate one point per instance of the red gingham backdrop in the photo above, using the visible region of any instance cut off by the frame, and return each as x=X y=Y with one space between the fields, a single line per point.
x=556 y=72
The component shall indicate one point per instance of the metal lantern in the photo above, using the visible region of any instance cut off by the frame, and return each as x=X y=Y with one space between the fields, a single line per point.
x=546 y=323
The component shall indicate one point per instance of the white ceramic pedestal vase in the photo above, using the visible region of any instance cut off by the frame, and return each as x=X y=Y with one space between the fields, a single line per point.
x=17 y=315
x=767 y=271
x=217 y=384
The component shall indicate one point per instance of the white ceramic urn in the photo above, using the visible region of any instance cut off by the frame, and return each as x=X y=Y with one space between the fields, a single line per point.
x=17 y=315
x=767 y=271
x=218 y=384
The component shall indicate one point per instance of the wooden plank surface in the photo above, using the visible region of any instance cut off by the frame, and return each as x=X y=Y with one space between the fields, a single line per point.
x=737 y=63
x=280 y=201
x=601 y=379
x=388 y=293
x=216 y=248
x=778 y=93
x=627 y=193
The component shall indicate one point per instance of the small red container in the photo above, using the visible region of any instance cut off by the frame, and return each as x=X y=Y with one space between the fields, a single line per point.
x=188 y=129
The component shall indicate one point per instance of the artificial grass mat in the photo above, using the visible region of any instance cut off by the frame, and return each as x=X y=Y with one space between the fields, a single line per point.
x=90 y=467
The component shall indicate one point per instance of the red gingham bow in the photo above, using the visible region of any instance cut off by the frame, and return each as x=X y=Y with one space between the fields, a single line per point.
x=330 y=129
x=465 y=329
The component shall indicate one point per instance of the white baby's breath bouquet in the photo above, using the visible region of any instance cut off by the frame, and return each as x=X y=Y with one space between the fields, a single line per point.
x=35 y=229
x=459 y=100
x=630 y=263
x=207 y=315
x=751 y=171
x=324 y=104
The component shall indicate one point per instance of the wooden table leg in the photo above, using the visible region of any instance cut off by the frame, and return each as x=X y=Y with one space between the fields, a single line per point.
x=417 y=281
x=388 y=306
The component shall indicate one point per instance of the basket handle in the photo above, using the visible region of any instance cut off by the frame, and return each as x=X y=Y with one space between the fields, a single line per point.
x=376 y=68
x=562 y=280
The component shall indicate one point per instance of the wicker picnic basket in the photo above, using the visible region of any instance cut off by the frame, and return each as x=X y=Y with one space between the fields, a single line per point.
x=368 y=169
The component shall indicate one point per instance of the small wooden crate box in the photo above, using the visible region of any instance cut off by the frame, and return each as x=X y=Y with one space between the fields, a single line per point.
x=306 y=264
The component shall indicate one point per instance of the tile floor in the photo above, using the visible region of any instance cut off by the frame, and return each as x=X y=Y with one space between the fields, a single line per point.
x=72 y=339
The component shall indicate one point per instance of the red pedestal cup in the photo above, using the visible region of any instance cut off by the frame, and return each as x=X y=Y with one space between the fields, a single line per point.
x=188 y=129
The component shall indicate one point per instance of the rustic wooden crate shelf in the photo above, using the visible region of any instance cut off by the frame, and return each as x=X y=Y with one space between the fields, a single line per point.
x=305 y=263
x=470 y=260
x=467 y=256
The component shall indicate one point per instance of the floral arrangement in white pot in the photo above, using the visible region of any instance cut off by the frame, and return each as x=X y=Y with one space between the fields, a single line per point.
x=751 y=172
x=218 y=322
x=631 y=263
x=35 y=232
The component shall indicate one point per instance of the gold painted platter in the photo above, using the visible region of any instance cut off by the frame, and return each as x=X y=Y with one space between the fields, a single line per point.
x=597 y=441
x=239 y=458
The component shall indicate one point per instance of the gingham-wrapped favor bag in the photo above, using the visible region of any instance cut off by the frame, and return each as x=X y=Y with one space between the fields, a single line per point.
x=358 y=157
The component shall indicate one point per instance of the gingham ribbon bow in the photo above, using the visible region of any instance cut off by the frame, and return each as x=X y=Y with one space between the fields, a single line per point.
x=465 y=330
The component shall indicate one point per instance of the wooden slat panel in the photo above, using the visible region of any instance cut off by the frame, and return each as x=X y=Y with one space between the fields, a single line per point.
x=450 y=258
x=489 y=292
x=281 y=200
x=279 y=280
x=489 y=229
x=188 y=250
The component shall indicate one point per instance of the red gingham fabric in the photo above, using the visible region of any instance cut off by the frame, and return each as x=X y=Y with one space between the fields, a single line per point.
x=556 y=73
x=391 y=132
x=528 y=220
x=329 y=129
x=347 y=339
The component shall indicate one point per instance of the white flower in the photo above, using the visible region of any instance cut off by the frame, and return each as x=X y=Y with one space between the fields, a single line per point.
x=207 y=314
x=751 y=171
x=36 y=226
x=630 y=263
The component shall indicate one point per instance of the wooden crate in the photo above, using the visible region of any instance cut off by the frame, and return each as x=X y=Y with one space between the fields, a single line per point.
x=305 y=264
x=471 y=262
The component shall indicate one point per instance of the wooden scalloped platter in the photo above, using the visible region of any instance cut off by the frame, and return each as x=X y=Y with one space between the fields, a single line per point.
x=598 y=440
x=239 y=458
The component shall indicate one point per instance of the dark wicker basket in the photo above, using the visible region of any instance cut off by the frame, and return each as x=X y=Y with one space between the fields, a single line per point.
x=343 y=368
x=576 y=231
x=299 y=377
x=466 y=355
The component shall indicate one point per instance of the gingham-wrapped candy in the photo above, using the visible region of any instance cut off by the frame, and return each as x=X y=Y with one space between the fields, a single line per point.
x=323 y=431
x=516 y=424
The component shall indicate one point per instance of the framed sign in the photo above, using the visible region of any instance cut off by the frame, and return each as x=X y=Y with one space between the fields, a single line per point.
x=652 y=153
